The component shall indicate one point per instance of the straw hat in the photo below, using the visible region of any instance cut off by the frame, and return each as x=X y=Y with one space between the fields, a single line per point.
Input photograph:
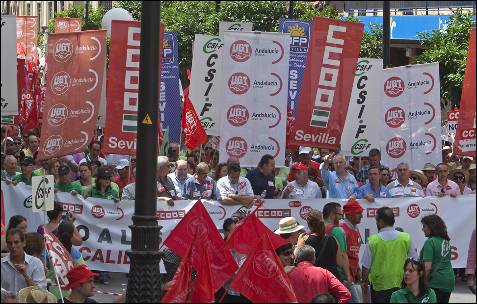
x=429 y=167
x=35 y=294
x=420 y=174
x=459 y=170
x=288 y=225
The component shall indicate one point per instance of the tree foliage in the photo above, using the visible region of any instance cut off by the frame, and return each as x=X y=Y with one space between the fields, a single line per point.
x=449 y=48
x=77 y=11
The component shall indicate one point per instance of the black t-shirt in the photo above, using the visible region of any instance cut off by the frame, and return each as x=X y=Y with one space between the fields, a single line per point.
x=88 y=300
x=261 y=183
x=328 y=256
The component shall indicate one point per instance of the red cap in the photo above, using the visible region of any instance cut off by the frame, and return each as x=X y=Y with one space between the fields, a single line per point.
x=78 y=276
x=352 y=207
x=300 y=166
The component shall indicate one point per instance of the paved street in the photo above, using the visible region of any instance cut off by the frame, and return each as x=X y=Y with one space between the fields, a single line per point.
x=118 y=285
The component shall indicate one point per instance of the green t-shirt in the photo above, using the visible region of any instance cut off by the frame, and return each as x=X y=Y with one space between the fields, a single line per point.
x=110 y=193
x=68 y=188
x=4 y=174
x=405 y=296
x=438 y=251
x=22 y=178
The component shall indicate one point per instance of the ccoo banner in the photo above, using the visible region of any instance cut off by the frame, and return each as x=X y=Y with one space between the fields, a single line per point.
x=254 y=96
x=327 y=83
x=361 y=132
x=67 y=25
x=106 y=236
x=300 y=33
x=75 y=77
x=411 y=115
x=122 y=92
x=9 y=105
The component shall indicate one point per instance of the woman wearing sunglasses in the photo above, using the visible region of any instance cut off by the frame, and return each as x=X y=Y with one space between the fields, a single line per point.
x=415 y=288
x=460 y=177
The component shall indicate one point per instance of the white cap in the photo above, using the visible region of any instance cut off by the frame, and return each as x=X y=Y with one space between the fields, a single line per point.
x=122 y=163
x=304 y=150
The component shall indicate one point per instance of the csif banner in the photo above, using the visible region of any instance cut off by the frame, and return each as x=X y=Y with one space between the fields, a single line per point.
x=465 y=136
x=361 y=131
x=122 y=92
x=67 y=25
x=411 y=115
x=254 y=96
x=327 y=84
x=106 y=236
x=73 y=89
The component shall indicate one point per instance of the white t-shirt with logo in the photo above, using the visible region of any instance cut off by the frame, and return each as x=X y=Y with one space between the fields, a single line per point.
x=310 y=190
x=243 y=187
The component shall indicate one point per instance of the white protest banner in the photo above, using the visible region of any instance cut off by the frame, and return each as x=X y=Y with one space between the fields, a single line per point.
x=9 y=105
x=60 y=257
x=411 y=115
x=254 y=96
x=361 y=132
x=43 y=193
x=104 y=224
x=203 y=82
x=234 y=26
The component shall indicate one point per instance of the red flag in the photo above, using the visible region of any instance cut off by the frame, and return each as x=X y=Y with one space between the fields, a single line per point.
x=194 y=131
x=262 y=278
x=31 y=120
x=203 y=290
x=60 y=257
x=245 y=242
x=197 y=220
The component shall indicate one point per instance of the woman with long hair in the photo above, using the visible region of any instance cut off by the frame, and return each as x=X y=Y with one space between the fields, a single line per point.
x=436 y=256
x=53 y=166
x=103 y=188
x=415 y=288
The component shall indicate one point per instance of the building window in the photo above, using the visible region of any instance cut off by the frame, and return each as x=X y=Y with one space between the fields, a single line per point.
x=28 y=9
x=38 y=12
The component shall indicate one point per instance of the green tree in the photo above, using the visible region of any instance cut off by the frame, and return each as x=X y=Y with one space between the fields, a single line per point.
x=449 y=48
x=77 y=11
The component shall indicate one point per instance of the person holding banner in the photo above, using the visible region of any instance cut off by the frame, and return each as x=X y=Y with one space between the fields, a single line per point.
x=373 y=188
x=403 y=186
x=235 y=189
x=302 y=187
x=201 y=185
x=10 y=166
x=442 y=185
x=27 y=172
x=64 y=184
x=340 y=183
x=102 y=187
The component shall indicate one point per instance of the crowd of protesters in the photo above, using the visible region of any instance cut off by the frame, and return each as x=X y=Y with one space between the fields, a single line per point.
x=322 y=260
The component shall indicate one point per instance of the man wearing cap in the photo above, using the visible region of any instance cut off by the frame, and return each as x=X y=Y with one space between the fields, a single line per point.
x=81 y=283
x=304 y=157
x=429 y=171
x=403 y=186
x=302 y=187
x=289 y=229
x=442 y=186
x=340 y=183
x=123 y=178
x=10 y=166
x=353 y=215
x=373 y=188
x=26 y=165
x=64 y=184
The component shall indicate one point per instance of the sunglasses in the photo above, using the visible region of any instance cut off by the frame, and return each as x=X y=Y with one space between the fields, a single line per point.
x=462 y=178
x=402 y=170
x=385 y=174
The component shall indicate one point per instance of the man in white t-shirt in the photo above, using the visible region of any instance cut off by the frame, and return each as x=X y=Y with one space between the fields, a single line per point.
x=301 y=187
x=235 y=189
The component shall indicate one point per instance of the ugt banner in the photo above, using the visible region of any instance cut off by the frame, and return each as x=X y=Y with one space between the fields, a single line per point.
x=327 y=84
x=465 y=136
x=67 y=25
x=170 y=97
x=74 y=80
x=122 y=92
x=255 y=69
x=27 y=36
x=300 y=33
x=411 y=115
x=9 y=105
x=361 y=131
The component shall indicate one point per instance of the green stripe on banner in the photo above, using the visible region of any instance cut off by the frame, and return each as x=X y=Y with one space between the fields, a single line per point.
x=129 y=129
x=7 y=120
x=321 y=113
x=130 y=117
x=316 y=123
x=129 y=123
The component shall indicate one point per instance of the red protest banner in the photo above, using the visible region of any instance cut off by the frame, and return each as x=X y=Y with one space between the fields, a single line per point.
x=122 y=92
x=75 y=74
x=60 y=257
x=327 y=83
x=465 y=136
x=27 y=36
x=194 y=131
x=67 y=25
x=197 y=226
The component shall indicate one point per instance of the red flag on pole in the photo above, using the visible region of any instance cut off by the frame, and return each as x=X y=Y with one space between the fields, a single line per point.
x=197 y=221
x=203 y=290
x=194 y=132
x=245 y=242
x=262 y=278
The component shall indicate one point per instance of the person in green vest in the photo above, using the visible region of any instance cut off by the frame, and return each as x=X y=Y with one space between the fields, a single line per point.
x=415 y=286
x=64 y=184
x=26 y=165
x=384 y=257
x=102 y=187
x=436 y=255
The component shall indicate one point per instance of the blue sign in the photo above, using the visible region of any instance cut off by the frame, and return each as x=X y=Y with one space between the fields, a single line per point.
x=300 y=32
x=169 y=95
